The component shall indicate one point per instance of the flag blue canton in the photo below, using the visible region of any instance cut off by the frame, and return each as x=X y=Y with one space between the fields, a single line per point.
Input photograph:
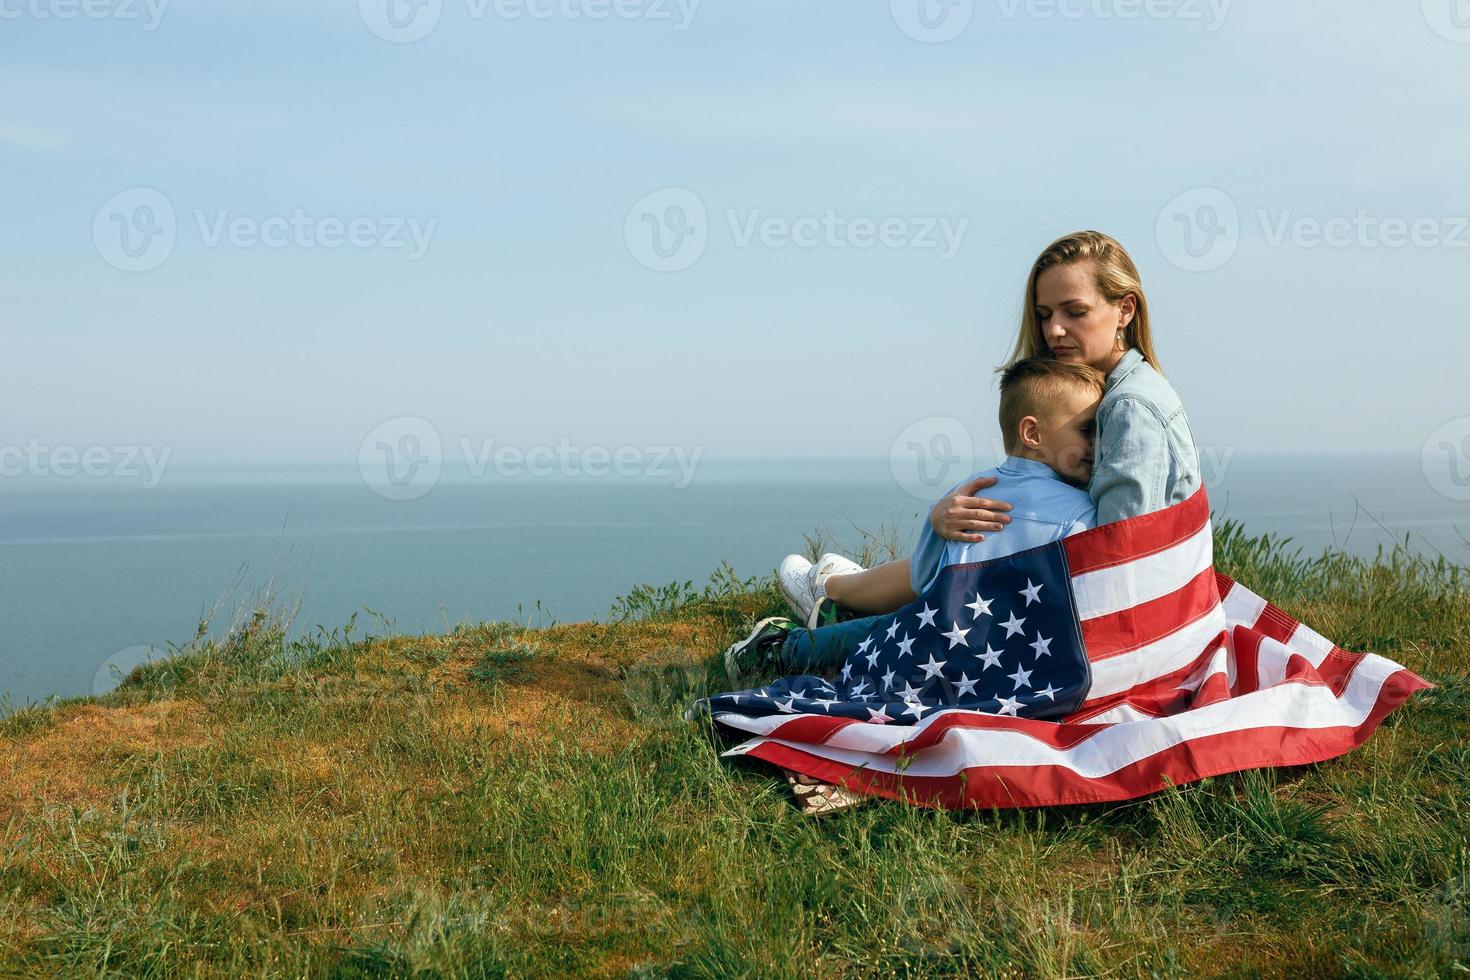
x=1000 y=637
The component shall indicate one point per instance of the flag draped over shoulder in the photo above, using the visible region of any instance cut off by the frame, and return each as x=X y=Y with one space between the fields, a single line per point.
x=1100 y=667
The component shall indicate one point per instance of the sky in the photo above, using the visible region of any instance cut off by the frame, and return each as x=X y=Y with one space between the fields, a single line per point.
x=258 y=231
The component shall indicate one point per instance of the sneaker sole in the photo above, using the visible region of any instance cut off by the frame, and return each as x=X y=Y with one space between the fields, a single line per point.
x=732 y=671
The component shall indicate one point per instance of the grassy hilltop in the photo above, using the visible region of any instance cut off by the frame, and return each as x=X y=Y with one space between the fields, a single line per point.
x=509 y=801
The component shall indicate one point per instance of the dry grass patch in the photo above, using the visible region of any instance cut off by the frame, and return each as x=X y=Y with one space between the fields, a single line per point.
x=67 y=764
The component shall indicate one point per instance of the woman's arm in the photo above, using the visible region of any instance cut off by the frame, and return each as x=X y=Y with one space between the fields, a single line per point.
x=964 y=517
x=1131 y=475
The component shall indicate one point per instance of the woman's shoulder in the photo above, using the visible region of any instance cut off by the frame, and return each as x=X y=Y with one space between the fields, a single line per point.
x=1139 y=382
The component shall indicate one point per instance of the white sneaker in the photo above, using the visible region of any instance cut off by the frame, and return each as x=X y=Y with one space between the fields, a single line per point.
x=827 y=566
x=797 y=586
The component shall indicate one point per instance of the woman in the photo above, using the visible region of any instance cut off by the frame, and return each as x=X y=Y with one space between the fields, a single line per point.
x=1085 y=303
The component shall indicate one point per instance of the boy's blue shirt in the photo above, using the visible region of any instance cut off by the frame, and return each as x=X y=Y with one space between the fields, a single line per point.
x=1045 y=508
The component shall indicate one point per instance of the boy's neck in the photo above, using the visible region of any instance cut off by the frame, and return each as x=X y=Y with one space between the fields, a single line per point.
x=1035 y=456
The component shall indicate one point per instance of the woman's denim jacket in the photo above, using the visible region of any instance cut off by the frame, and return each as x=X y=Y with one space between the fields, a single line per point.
x=1146 y=458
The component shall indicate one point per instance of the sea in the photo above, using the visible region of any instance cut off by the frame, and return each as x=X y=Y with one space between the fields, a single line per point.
x=97 y=575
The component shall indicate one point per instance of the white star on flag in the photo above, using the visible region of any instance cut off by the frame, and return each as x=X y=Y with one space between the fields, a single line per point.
x=915 y=708
x=909 y=692
x=888 y=680
x=873 y=657
x=980 y=607
x=825 y=703
x=933 y=668
x=863 y=646
x=1049 y=692
x=1031 y=592
x=1013 y=626
x=879 y=715
x=787 y=706
x=965 y=686
x=1009 y=706
x=990 y=658
x=1041 y=646
x=905 y=646
x=1022 y=677
x=926 y=616
x=857 y=692
x=956 y=637
x=893 y=629
x=847 y=671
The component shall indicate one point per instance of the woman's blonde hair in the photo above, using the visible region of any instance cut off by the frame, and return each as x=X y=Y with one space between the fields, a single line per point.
x=1116 y=277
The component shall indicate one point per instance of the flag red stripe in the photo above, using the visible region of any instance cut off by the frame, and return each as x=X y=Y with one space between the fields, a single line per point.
x=1138 y=538
x=1148 y=622
x=1155 y=690
x=1276 y=624
x=1247 y=660
x=1048 y=732
x=1162 y=696
x=989 y=787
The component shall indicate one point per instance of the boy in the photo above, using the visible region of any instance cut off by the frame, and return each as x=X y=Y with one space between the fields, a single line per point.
x=1048 y=418
x=1048 y=412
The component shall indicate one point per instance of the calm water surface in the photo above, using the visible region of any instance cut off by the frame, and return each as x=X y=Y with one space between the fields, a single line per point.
x=89 y=570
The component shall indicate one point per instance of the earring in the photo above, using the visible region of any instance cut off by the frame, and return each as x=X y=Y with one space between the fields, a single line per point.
x=1121 y=345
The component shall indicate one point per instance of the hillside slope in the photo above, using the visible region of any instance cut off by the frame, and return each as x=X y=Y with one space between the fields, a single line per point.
x=507 y=800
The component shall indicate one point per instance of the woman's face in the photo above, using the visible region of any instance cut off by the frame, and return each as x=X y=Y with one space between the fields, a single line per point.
x=1077 y=323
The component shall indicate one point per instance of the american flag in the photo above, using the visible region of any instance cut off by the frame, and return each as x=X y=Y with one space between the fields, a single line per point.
x=1100 y=667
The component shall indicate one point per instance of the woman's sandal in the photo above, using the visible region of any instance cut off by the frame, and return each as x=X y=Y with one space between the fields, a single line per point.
x=816 y=798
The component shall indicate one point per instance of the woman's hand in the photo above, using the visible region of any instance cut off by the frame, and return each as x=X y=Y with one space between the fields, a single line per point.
x=965 y=517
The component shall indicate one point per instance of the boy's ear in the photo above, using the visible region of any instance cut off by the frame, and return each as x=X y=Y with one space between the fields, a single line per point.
x=1030 y=432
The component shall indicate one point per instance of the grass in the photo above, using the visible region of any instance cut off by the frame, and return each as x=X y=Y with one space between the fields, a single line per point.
x=500 y=800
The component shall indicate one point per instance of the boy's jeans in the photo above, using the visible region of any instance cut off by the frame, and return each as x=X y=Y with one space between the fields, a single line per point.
x=814 y=651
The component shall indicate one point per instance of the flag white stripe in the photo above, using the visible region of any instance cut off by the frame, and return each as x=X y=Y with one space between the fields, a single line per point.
x=1293 y=705
x=1174 y=652
x=1118 y=713
x=1110 y=590
x=1271 y=659
x=1242 y=606
x=1308 y=643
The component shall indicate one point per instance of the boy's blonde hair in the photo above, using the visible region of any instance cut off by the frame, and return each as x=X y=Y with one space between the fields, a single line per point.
x=1115 y=275
x=1035 y=386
